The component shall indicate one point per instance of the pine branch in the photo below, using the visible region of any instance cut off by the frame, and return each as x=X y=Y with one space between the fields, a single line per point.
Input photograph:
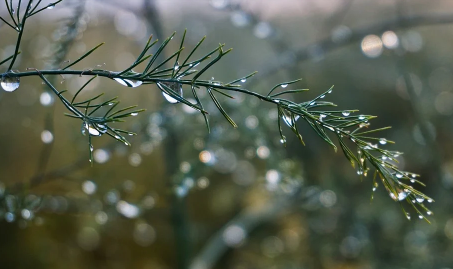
x=329 y=125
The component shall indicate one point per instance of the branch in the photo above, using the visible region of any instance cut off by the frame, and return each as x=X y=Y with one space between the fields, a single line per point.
x=327 y=45
x=248 y=219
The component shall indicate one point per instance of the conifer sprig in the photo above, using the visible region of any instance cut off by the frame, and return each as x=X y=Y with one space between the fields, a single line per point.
x=350 y=129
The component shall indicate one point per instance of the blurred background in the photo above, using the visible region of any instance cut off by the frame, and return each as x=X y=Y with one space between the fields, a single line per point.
x=180 y=197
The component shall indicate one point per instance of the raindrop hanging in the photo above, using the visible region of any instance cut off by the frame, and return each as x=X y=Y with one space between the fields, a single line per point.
x=10 y=84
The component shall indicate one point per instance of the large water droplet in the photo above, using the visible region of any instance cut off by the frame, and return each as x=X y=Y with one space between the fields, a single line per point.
x=128 y=82
x=402 y=195
x=46 y=99
x=429 y=212
x=289 y=121
x=94 y=129
x=128 y=210
x=284 y=85
x=399 y=175
x=175 y=86
x=10 y=84
x=134 y=114
x=361 y=117
x=429 y=200
x=420 y=216
x=243 y=80
x=382 y=141
x=420 y=199
x=346 y=113
x=26 y=214
x=46 y=136
x=89 y=187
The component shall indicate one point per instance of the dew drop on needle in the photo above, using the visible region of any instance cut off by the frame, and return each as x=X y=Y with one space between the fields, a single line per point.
x=10 y=84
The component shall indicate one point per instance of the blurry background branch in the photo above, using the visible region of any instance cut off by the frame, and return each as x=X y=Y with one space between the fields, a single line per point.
x=329 y=44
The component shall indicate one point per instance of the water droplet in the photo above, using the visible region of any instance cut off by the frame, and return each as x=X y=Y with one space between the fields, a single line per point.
x=329 y=91
x=408 y=216
x=284 y=85
x=420 y=216
x=382 y=141
x=413 y=175
x=89 y=187
x=243 y=80
x=10 y=84
x=346 y=113
x=384 y=157
x=282 y=141
x=46 y=99
x=94 y=129
x=26 y=214
x=128 y=82
x=312 y=103
x=289 y=121
x=101 y=217
x=429 y=212
x=361 y=117
x=429 y=200
x=399 y=175
x=46 y=137
x=176 y=67
x=322 y=116
x=359 y=172
x=331 y=128
x=128 y=210
x=10 y=217
x=134 y=114
x=322 y=96
x=51 y=7
x=412 y=180
x=175 y=86
x=91 y=148
x=420 y=199
x=402 y=195
x=101 y=155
